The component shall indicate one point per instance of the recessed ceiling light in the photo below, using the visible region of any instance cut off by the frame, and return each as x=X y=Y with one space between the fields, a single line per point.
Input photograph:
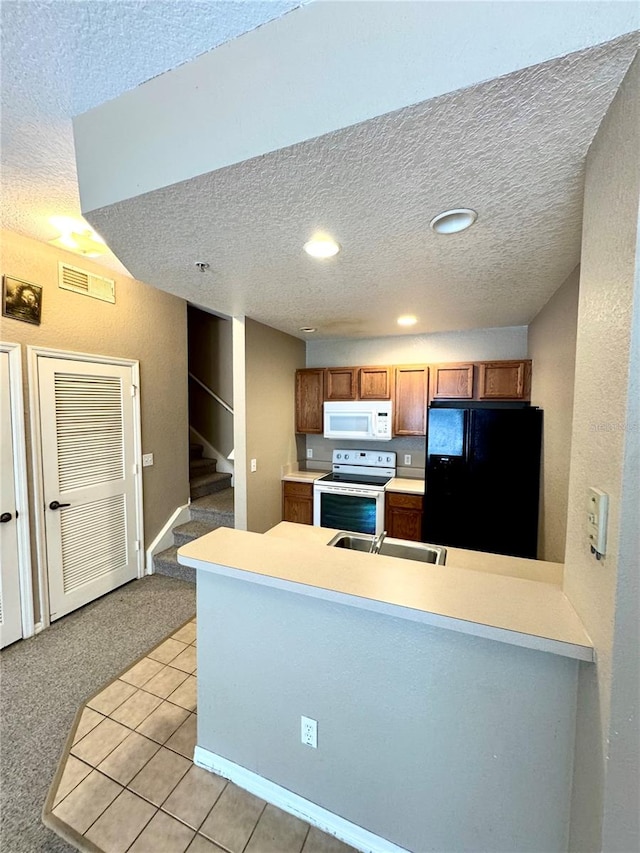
x=308 y=329
x=407 y=320
x=77 y=236
x=321 y=247
x=453 y=221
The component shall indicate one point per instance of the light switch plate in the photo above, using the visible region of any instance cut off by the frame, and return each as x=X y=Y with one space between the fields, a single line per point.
x=407 y=459
x=310 y=453
x=147 y=460
x=254 y=465
x=597 y=512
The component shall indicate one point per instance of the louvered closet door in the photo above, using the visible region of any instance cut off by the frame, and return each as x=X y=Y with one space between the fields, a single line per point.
x=10 y=616
x=88 y=449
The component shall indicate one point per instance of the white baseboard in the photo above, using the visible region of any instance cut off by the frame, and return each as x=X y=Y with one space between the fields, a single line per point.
x=164 y=539
x=289 y=802
x=224 y=465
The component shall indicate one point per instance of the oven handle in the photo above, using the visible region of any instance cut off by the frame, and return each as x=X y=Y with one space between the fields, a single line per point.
x=365 y=493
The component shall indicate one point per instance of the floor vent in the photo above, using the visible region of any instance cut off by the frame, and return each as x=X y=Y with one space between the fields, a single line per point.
x=87 y=283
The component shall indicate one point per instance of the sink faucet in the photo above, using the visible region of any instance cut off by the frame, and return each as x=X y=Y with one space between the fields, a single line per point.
x=376 y=544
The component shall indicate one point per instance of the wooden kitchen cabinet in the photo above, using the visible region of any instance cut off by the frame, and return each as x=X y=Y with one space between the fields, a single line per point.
x=341 y=383
x=374 y=383
x=504 y=380
x=403 y=516
x=411 y=387
x=452 y=381
x=297 y=502
x=309 y=400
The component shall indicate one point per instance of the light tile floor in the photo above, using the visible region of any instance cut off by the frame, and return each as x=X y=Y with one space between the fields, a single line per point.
x=129 y=783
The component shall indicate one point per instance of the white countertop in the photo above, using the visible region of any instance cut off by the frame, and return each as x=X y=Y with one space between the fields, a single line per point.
x=294 y=557
x=405 y=485
x=303 y=476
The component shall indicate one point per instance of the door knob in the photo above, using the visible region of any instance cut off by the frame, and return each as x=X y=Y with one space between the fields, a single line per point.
x=56 y=505
x=6 y=516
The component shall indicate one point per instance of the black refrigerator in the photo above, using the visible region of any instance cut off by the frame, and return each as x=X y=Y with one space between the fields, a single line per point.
x=482 y=479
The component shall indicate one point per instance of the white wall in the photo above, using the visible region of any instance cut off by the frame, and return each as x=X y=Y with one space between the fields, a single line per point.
x=605 y=453
x=552 y=348
x=328 y=65
x=474 y=345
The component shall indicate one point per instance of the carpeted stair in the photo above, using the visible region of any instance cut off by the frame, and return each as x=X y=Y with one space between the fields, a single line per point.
x=211 y=507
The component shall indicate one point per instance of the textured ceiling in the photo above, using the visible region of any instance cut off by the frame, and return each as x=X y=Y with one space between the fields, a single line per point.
x=61 y=58
x=512 y=148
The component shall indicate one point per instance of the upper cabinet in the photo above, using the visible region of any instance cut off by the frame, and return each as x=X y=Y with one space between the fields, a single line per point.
x=410 y=387
x=452 y=381
x=411 y=391
x=504 y=380
x=309 y=400
x=374 y=383
x=341 y=383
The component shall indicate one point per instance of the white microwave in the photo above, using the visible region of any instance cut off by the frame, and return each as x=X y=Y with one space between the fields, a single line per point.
x=359 y=420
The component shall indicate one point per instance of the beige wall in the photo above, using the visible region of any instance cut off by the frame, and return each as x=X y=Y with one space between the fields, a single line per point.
x=271 y=360
x=144 y=324
x=552 y=347
x=211 y=360
x=605 y=453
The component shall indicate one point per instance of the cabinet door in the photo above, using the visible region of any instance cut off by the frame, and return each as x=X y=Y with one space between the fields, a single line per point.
x=309 y=399
x=452 y=381
x=411 y=386
x=504 y=380
x=403 y=516
x=374 y=383
x=297 y=502
x=341 y=383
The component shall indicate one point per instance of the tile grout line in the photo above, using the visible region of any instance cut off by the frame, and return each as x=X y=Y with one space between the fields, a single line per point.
x=264 y=808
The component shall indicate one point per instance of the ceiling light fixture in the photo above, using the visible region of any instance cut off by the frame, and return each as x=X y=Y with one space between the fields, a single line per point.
x=203 y=266
x=321 y=246
x=308 y=329
x=77 y=236
x=407 y=320
x=453 y=221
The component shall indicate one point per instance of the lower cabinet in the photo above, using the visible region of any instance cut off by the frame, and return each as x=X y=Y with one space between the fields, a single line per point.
x=297 y=502
x=403 y=516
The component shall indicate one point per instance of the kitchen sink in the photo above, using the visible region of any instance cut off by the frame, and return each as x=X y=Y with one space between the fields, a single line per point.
x=403 y=548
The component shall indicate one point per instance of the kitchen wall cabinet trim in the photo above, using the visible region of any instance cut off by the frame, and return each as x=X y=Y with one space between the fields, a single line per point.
x=452 y=381
x=374 y=383
x=341 y=383
x=309 y=400
x=411 y=392
x=504 y=380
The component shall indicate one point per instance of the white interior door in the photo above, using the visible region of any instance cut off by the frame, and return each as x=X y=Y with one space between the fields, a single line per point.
x=88 y=437
x=10 y=613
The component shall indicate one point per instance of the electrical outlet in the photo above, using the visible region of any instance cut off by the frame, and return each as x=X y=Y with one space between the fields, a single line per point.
x=407 y=459
x=147 y=459
x=254 y=465
x=309 y=732
x=309 y=453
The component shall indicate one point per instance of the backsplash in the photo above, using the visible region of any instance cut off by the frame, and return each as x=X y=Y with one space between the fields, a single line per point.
x=323 y=448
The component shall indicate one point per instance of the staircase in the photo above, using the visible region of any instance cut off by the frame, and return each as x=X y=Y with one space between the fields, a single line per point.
x=211 y=507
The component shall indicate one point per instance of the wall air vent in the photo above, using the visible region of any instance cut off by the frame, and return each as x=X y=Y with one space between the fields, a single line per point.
x=81 y=281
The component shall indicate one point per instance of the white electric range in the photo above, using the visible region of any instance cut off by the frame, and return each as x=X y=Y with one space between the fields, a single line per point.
x=351 y=497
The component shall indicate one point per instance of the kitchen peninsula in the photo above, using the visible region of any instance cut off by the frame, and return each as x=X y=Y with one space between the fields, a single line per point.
x=445 y=697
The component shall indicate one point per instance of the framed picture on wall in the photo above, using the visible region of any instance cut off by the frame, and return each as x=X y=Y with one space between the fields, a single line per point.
x=21 y=300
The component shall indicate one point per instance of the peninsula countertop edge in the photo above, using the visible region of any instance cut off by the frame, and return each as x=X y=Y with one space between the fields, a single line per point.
x=295 y=557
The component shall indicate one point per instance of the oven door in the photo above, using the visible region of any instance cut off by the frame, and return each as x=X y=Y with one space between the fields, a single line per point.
x=353 y=509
